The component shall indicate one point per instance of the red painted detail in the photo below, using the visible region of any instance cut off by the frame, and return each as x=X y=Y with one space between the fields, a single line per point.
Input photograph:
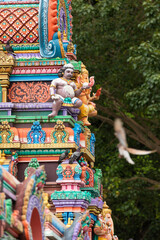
x=35 y=224
x=19 y=25
x=52 y=19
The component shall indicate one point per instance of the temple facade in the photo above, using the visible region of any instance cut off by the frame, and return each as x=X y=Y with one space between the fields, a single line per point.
x=49 y=187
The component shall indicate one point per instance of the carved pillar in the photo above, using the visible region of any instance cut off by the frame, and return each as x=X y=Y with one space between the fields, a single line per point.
x=6 y=66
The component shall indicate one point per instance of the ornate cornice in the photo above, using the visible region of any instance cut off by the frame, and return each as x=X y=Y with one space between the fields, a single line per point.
x=6 y=60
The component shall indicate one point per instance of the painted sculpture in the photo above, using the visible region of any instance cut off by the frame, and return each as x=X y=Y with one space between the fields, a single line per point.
x=63 y=89
x=104 y=228
x=88 y=108
x=49 y=188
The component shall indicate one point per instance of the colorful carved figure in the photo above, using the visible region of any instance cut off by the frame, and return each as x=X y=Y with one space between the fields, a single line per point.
x=13 y=164
x=104 y=227
x=82 y=227
x=88 y=108
x=63 y=88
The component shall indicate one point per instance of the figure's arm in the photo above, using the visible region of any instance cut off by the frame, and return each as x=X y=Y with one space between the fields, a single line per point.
x=53 y=89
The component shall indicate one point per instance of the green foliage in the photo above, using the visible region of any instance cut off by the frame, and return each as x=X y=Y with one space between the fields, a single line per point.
x=119 y=42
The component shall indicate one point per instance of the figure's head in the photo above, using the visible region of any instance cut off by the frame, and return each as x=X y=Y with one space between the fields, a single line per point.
x=66 y=71
x=84 y=74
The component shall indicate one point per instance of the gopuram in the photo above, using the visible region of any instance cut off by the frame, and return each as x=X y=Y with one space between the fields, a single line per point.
x=49 y=188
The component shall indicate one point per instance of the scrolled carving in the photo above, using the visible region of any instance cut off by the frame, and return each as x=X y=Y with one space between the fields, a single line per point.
x=59 y=134
x=6 y=135
x=29 y=92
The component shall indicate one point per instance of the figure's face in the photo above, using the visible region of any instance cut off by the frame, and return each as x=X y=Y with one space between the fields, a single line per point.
x=68 y=73
x=84 y=78
x=108 y=218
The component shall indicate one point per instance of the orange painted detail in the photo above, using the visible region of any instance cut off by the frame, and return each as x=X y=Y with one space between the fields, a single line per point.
x=70 y=209
x=26 y=230
x=22 y=133
x=42 y=158
x=52 y=19
x=29 y=92
x=19 y=25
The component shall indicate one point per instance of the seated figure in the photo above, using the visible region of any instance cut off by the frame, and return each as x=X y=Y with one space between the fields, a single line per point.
x=63 y=87
x=88 y=108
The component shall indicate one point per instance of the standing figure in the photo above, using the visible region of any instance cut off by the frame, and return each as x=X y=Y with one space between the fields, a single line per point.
x=104 y=227
x=63 y=87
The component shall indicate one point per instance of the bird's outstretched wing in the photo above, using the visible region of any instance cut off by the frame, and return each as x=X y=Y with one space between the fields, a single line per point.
x=122 y=146
x=140 y=152
x=120 y=132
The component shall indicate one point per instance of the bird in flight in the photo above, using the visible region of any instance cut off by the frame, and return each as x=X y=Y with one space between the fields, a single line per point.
x=124 y=150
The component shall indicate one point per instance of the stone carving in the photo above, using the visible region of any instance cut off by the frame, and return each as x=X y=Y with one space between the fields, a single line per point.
x=13 y=164
x=77 y=131
x=29 y=92
x=104 y=227
x=36 y=134
x=63 y=88
x=97 y=179
x=88 y=108
x=18 y=25
x=59 y=134
x=81 y=229
x=87 y=134
x=92 y=143
x=32 y=164
x=6 y=134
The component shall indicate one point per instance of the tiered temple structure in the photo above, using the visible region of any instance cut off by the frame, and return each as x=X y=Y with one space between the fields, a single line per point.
x=41 y=197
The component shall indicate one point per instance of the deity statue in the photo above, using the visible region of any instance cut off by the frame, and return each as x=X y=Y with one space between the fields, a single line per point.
x=88 y=108
x=104 y=227
x=64 y=88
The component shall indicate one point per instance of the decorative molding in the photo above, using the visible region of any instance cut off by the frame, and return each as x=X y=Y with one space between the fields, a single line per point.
x=59 y=134
x=37 y=70
x=6 y=134
x=22 y=92
x=77 y=131
x=48 y=145
x=87 y=134
x=36 y=134
x=19 y=24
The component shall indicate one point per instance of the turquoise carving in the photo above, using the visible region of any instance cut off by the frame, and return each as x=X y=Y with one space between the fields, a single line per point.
x=92 y=143
x=51 y=49
x=66 y=216
x=78 y=171
x=36 y=134
x=57 y=195
x=97 y=179
x=77 y=131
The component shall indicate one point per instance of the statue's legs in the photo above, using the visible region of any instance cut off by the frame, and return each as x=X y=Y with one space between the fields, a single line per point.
x=55 y=108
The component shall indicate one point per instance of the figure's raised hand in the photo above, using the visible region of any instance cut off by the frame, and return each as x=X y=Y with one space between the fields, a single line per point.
x=91 y=81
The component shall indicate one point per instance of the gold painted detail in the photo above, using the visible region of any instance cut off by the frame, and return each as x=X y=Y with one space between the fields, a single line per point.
x=2 y=157
x=5 y=59
x=6 y=66
x=6 y=134
x=59 y=134
x=87 y=134
x=59 y=215
x=45 y=200
x=48 y=145
x=70 y=48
